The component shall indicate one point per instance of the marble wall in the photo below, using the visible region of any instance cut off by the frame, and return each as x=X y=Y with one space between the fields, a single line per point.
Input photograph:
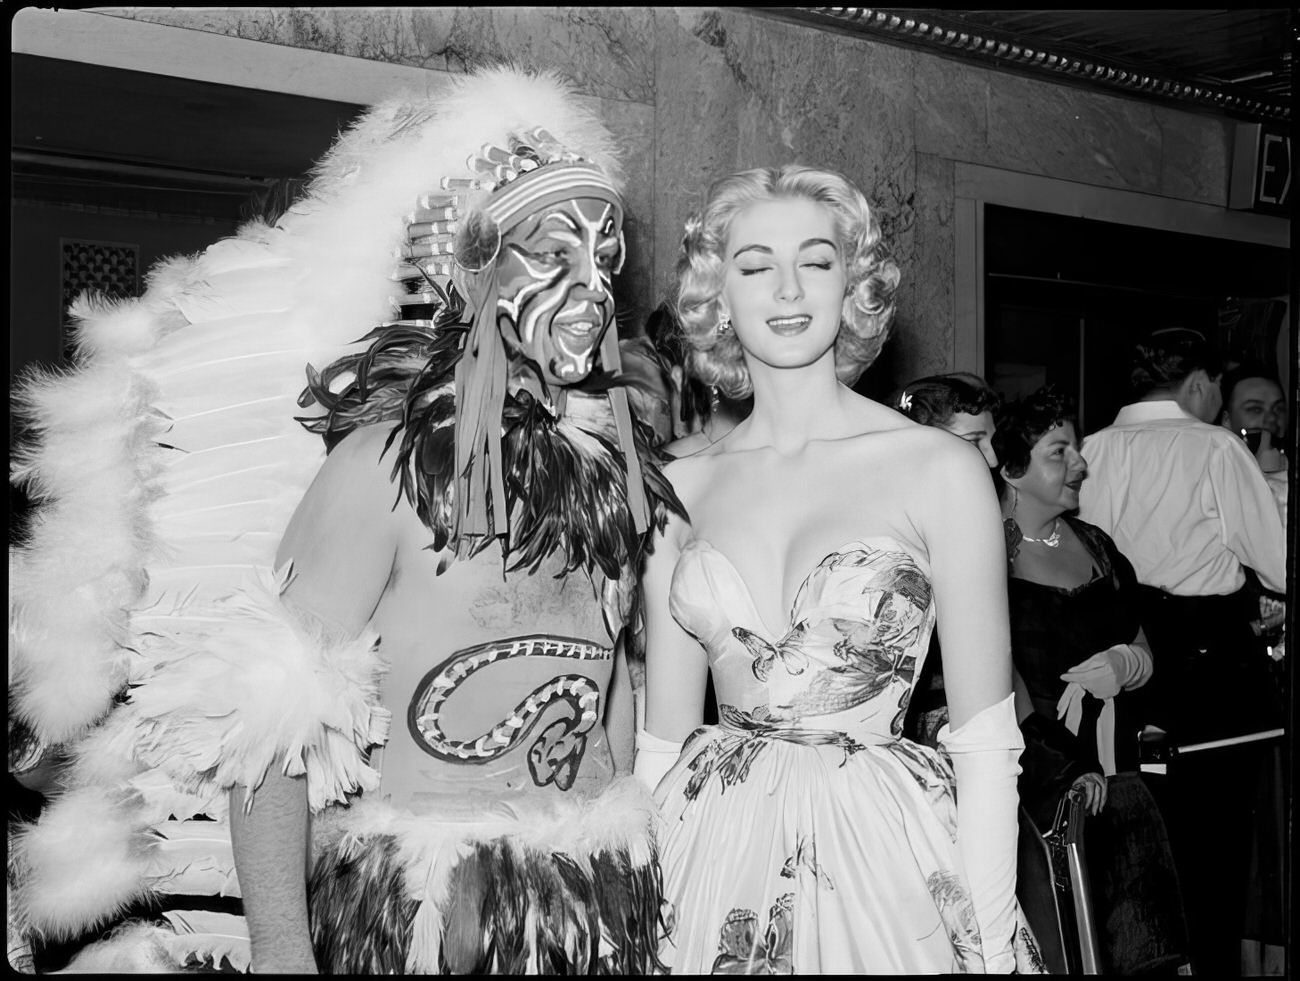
x=696 y=93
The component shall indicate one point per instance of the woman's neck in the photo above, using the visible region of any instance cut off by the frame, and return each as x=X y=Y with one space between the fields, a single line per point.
x=1035 y=520
x=794 y=406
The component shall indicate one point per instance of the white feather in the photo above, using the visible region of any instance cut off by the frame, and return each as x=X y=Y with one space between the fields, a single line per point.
x=134 y=948
x=104 y=757
x=194 y=858
x=80 y=864
x=216 y=714
x=204 y=937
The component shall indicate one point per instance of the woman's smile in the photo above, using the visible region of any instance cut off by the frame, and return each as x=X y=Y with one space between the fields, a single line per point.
x=789 y=326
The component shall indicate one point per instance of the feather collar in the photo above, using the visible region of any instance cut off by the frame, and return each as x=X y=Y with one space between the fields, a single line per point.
x=565 y=478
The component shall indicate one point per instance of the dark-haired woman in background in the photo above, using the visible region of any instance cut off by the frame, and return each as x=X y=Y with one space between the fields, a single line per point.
x=963 y=404
x=1078 y=645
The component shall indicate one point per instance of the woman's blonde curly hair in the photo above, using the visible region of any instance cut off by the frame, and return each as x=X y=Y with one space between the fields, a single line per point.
x=715 y=357
x=871 y=277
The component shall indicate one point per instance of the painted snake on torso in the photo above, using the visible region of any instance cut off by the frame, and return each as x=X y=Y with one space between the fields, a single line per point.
x=554 y=757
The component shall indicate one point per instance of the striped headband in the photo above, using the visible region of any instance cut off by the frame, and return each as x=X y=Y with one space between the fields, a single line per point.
x=549 y=185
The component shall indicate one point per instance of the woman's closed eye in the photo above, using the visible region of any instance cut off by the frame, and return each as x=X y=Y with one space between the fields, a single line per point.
x=825 y=265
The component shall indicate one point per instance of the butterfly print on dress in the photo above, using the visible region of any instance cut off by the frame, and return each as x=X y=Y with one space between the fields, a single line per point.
x=742 y=951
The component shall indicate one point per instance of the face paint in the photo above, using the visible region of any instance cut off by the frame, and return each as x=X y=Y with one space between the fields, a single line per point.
x=554 y=275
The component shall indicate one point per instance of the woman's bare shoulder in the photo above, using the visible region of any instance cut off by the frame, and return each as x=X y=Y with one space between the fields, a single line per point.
x=896 y=431
x=928 y=454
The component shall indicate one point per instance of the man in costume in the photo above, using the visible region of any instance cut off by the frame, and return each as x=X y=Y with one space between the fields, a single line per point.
x=421 y=666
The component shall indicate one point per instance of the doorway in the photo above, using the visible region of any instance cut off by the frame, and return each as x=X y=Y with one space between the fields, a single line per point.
x=1066 y=298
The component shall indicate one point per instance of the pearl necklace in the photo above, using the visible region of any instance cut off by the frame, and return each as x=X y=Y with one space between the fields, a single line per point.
x=1052 y=540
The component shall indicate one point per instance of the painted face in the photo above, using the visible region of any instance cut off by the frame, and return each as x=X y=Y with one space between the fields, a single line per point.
x=1257 y=404
x=976 y=430
x=554 y=274
x=784 y=282
x=1056 y=470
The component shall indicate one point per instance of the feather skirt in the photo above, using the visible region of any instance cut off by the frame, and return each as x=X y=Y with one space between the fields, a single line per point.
x=558 y=887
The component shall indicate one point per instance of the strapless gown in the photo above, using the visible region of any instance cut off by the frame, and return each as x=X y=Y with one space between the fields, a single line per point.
x=804 y=834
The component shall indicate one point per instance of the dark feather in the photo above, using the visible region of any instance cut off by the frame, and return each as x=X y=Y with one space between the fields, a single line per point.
x=361 y=921
x=360 y=915
x=560 y=498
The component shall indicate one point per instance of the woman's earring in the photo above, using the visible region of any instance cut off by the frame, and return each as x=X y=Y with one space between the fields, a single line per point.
x=1015 y=499
x=724 y=324
x=714 y=401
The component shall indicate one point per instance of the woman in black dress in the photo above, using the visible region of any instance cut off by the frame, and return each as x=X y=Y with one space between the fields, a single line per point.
x=1078 y=645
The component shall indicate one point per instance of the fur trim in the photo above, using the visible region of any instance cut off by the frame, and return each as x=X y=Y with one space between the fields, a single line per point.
x=104 y=328
x=116 y=824
x=622 y=816
x=104 y=756
x=81 y=864
x=217 y=715
x=133 y=948
x=94 y=466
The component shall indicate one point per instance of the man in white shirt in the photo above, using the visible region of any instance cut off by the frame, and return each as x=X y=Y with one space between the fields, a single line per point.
x=1187 y=504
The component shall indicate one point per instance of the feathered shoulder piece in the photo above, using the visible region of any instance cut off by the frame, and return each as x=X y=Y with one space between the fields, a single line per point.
x=564 y=475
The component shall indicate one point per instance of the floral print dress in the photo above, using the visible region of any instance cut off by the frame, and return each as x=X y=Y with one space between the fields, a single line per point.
x=804 y=834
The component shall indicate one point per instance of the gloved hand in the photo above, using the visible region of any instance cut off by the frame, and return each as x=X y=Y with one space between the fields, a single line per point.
x=654 y=758
x=1107 y=672
x=985 y=754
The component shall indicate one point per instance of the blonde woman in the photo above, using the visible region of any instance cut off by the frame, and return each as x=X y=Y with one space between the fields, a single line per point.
x=826 y=533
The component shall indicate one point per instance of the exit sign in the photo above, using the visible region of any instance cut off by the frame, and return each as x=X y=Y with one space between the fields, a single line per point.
x=1262 y=168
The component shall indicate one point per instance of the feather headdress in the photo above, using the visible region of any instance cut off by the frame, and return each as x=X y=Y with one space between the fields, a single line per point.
x=166 y=465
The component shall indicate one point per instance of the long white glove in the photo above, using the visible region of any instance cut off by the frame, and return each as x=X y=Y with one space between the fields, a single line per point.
x=654 y=758
x=1104 y=675
x=1109 y=672
x=985 y=755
